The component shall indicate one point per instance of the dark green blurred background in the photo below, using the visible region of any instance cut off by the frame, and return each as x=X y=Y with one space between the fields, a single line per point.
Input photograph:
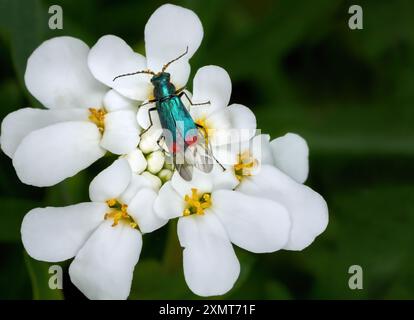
x=301 y=69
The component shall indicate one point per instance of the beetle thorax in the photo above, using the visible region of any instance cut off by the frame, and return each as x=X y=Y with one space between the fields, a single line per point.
x=163 y=88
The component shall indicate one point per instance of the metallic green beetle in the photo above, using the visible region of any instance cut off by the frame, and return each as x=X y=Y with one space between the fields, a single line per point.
x=185 y=143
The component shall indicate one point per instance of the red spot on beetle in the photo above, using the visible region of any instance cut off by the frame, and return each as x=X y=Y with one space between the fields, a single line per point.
x=174 y=147
x=191 y=140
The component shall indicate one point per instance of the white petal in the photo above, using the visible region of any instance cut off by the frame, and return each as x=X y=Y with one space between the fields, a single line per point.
x=291 y=155
x=136 y=160
x=203 y=182
x=264 y=154
x=244 y=120
x=308 y=210
x=141 y=209
x=212 y=83
x=57 y=234
x=226 y=154
x=110 y=57
x=168 y=32
x=169 y=204
x=50 y=155
x=113 y=101
x=210 y=264
x=233 y=126
x=255 y=224
x=57 y=75
x=104 y=267
x=111 y=182
x=219 y=119
x=200 y=113
x=153 y=179
x=121 y=133
x=137 y=183
x=219 y=128
x=224 y=179
x=20 y=123
x=259 y=148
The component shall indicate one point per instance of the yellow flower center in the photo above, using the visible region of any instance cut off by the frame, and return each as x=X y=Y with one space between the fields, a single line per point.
x=119 y=212
x=97 y=116
x=196 y=203
x=245 y=165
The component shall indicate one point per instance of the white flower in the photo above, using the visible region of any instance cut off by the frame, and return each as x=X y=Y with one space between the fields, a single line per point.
x=276 y=171
x=168 y=33
x=104 y=236
x=211 y=217
x=84 y=118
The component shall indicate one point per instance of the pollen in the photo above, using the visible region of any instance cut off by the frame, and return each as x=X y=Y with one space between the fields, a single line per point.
x=119 y=213
x=245 y=165
x=97 y=116
x=196 y=203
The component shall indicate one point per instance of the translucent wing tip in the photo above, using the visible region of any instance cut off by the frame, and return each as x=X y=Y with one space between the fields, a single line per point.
x=185 y=171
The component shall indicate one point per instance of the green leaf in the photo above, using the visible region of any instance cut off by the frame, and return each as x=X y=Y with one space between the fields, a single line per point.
x=40 y=276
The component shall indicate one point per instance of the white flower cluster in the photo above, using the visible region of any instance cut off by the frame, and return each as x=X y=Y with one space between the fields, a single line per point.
x=253 y=198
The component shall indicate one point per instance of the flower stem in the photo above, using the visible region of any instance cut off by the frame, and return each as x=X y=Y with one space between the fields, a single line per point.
x=172 y=260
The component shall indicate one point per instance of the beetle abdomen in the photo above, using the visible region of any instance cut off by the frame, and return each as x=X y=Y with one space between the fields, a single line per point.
x=180 y=130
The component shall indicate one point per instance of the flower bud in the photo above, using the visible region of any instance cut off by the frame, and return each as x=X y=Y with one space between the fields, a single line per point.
x=137 y=161
x=168 y=164
x=155 y=161
x=165 y=175
x=149 y=140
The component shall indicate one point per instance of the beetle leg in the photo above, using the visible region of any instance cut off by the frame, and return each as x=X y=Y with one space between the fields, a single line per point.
x=181 y=93
x=149 y=101
x=150 y=119
x=178 y=91
x=159 y=144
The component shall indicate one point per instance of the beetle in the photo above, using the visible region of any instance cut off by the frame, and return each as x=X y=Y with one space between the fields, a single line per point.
x=184 y=139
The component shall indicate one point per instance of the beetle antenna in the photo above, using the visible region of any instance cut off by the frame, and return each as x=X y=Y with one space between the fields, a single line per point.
x=133 y=73
x=179 y=57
